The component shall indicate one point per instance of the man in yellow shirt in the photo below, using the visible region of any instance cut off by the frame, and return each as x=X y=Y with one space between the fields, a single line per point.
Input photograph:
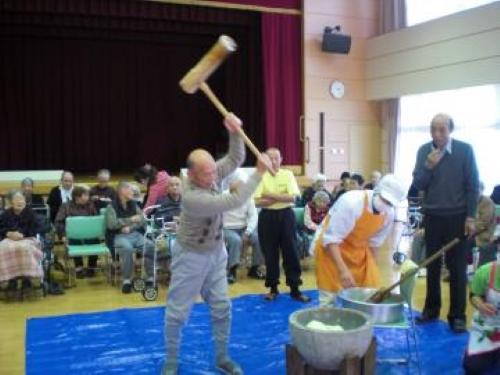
x=276 y=196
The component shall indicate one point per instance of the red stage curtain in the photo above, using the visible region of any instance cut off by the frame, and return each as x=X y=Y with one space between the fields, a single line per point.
x=92 y=84
x=281 y=54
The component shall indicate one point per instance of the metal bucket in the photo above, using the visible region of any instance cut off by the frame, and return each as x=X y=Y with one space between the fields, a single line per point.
x=390 y=310
x=326 y=349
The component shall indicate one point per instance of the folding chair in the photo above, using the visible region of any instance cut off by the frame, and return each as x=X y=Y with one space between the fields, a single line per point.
x=81 y=228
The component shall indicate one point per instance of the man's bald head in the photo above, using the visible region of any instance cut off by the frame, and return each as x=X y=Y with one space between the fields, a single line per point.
x=198 y=156
x=202 y=169
x=444 y=118
x=441 y=127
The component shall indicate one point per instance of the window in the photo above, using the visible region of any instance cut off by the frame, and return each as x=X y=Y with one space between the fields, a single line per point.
x=418 y=11
x=476 y=113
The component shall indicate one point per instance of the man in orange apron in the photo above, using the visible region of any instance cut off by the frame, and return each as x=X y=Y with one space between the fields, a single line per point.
x=351 y=233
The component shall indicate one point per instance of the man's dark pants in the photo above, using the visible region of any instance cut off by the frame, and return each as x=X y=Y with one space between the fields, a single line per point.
x=440 y=230
x=277 y=230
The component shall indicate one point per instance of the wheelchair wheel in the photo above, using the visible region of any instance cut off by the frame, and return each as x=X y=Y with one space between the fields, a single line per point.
x=150 y=293
x=139 y=284
x=398 y=257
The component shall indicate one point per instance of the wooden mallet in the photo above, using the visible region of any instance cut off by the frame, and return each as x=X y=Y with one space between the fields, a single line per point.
x=196 y=77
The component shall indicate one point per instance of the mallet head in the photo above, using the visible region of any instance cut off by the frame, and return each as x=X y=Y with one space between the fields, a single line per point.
x=191 y=82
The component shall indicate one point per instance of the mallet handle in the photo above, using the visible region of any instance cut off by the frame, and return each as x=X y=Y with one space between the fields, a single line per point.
x=223 y=110
x=214 y=99
x=380 y=295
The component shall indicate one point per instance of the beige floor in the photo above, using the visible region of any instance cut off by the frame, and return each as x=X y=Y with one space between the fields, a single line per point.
x=96 y=295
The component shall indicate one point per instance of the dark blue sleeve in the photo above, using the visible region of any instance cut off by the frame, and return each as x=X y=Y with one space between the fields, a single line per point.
x=471 y=177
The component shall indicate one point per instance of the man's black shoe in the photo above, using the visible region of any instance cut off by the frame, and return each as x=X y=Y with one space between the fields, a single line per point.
x=458 y=326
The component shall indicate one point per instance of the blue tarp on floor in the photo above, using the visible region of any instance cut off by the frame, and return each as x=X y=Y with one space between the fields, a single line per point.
x=130 y=341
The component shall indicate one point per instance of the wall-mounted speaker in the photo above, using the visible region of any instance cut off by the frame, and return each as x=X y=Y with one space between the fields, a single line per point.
x=335 y=42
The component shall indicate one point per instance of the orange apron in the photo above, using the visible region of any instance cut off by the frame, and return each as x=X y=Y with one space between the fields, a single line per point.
x=355 y=252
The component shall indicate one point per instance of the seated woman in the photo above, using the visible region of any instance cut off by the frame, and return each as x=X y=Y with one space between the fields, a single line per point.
x=315 y=211
x=80 y=205
x=345 y=180
x=356 y=182
x=155 y=182
x=20 y=253
x=27 y=185
x=483 y=352
x=317 y=185
x=102 y=194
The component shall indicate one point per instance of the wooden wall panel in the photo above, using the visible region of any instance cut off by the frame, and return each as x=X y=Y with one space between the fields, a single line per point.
x=344 y=110
x=358 y=28
x=465 y=74
x=455 y=51
x=318 y=88
x=358 y=18
x=312 y=47
x=361 y=9
x=364 y=143
x=332 y=65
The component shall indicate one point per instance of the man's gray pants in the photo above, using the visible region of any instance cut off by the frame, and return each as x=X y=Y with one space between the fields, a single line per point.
x=195 y=273
x=126 y=244
x=234 y=243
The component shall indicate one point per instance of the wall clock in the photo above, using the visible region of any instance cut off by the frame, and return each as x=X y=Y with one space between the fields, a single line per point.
x=337 y=89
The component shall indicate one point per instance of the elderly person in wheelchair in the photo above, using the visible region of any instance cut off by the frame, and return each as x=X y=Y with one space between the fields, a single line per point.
x=125 y=220
x=20 y=251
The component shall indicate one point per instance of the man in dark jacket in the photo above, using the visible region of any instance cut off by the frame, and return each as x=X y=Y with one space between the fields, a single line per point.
x=125 y=220
x=170 y=205
x=446 y=172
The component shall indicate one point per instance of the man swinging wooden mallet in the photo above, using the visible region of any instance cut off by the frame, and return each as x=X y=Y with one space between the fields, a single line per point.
x=199 y=255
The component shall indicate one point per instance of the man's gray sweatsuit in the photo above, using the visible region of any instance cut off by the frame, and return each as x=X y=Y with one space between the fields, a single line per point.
x=199 y=255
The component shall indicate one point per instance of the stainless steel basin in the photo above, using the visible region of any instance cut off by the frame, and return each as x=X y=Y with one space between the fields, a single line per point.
x=390 y=310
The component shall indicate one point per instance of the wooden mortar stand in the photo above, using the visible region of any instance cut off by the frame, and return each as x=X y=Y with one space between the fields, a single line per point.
x=297 y=365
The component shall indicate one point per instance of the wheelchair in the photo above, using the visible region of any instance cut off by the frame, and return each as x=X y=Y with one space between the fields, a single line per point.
x=44 y=283
x=414 y=221
x=162 y=234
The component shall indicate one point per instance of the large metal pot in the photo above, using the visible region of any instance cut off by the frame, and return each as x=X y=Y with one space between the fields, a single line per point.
x=326 y=349
x=390 y=310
